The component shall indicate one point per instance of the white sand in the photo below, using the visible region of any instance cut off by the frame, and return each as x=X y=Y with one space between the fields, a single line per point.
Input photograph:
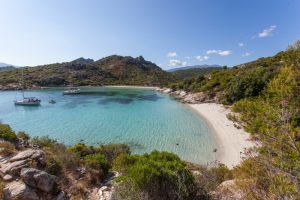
x=231 y=141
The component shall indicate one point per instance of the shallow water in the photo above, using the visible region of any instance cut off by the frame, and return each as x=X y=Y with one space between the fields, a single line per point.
x=143 y=118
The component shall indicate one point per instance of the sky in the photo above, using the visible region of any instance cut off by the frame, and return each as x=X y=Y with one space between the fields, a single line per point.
x=170 y=33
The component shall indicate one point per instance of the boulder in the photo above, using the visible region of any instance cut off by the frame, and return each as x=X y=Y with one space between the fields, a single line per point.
x=28 y=154
x=39 y=179
x=182 y=93
x=19 y=190
x=168 y=90
x=8 y=177
x=14 y=167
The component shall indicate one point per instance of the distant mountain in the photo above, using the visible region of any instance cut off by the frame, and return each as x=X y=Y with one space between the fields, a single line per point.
x=192 y=67
x=4 y=64
x=112 y=70
x=4 y=67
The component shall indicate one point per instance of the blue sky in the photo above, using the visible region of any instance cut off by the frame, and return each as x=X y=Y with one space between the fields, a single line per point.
x=167 y=32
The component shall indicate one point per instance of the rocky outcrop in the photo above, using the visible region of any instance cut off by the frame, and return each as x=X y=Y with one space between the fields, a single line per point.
x=28 y=183
x=13 y=165
x=39 y=179
x=185 y=97
x=19 y=190
x=28 y=154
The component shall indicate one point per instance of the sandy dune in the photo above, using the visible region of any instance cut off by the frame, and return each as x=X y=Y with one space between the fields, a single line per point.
x=230 y=140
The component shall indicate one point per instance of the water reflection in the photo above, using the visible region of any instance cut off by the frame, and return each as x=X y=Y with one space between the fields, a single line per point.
x=115 y=100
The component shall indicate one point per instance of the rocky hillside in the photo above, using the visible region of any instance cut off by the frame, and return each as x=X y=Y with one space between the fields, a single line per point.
x=109 y=70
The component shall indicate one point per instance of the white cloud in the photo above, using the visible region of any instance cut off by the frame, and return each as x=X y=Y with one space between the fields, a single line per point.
x=246 y=54
x=241 y=44
x=219 y=52
x=173 y=63
x=267 y=32
x=172 y=54
x=212 y=51
x=201 y=58
x=224 y=53
x=188 y=57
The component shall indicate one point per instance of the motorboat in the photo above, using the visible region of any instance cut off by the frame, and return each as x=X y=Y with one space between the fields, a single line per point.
x=72 y=91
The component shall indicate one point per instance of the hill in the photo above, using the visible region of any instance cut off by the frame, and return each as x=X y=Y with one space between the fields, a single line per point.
x=5 y=68
x=109 y=70
x=4 y=64
x=192 y=67
x=194 y=72
x=241 y=81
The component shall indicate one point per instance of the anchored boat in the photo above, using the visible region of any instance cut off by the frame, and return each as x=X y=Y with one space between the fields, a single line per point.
x=72 y=91
x=27 y=101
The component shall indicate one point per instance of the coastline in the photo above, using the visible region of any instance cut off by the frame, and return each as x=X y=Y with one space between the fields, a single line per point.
x=85 y=86
x=231 y=141
x=132 y=86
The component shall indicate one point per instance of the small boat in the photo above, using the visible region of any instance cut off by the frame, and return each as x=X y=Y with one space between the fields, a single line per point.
x=52 y=101
x=27 y=101
x=72 y=91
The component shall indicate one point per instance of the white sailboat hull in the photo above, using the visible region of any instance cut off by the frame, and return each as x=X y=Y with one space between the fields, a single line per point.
x=27 y=102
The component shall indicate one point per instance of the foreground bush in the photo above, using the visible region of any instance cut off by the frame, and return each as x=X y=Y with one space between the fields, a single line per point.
x=43 y=141
x=6 y=148
x=158 y=175
x=6 y=133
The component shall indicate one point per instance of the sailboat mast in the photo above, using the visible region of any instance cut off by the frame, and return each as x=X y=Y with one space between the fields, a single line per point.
x=23 y=83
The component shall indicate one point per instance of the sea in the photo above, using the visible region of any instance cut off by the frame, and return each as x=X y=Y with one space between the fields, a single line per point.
x=143 y=118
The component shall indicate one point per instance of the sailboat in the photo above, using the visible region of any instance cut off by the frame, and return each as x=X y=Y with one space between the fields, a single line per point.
x=27 y=101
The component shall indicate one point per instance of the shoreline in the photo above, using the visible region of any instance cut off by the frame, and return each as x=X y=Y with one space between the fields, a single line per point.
x=132 y=86
x=231 y=141
x=85 y=86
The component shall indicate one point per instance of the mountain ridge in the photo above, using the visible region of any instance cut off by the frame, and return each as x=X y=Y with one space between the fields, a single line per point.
x=113 y=70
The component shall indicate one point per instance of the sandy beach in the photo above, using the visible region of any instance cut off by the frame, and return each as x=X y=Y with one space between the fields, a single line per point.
x=231 y=141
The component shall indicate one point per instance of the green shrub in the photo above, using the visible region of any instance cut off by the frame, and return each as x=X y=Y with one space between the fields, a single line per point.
x=22 y=135
x=67 y=159
x=111 y=151
x=97 y=161
x=81 y=149
x=210 y=178
x=44 y=141
x=6 y=148
x=53 y=165
x=7 y=133
x=158 y=175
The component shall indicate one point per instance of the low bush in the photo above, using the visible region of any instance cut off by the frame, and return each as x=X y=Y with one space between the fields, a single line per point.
x=98 y=162
x=111 y=151
x=24 y=136
x=210 y=178
x=6 y=148
x=158 y=175
x=81 y=149
x=43 y=141
x=53 y=165
x=6 y=133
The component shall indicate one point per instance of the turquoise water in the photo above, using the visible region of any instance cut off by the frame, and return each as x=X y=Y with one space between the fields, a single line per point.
x=143 y=118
